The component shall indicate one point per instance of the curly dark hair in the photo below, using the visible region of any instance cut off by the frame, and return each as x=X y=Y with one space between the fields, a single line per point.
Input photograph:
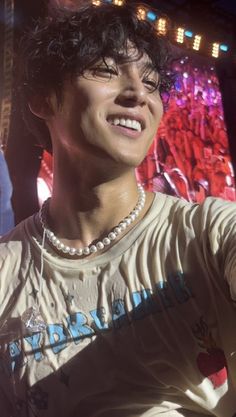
x=70 y=41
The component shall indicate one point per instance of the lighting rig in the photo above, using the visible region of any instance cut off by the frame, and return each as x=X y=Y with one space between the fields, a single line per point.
x=179 y=35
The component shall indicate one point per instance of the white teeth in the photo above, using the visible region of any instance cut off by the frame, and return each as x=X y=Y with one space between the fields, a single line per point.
x=132 y=124
x=129 y=123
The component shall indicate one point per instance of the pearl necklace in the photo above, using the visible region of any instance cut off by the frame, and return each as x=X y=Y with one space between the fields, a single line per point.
x=106 y=241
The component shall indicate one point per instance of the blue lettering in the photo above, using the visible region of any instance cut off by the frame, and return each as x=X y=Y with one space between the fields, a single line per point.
x=34 y=343
x=144 y=303
x=99 y=317
x=57 y=337
x=77 y=326
x=17 y=359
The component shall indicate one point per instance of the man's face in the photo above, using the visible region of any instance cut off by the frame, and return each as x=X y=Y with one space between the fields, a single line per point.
x=112 y=111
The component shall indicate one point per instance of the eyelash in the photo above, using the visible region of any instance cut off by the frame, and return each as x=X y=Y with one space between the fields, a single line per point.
x=105 y=70
x=152 y=85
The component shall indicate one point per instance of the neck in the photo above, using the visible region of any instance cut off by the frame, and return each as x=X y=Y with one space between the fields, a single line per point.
x=98 y=244
x=84 y=212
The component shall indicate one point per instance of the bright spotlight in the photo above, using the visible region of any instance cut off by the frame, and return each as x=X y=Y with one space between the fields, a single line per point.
x=118 y=2
x=180 y=35
x=188 y=33
x=215 y=50
x=224 y=48
x=141 y=13
x=161 y=26
x=151 y=16
x=197 y=42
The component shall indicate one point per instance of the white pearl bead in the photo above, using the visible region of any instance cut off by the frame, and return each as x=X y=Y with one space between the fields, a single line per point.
x=72 y=251
x=122 y=225
x=112 y=236
x=66 y=249
x=106 y=241
x=99 y=245
x=86 y=250
x=93 y=249
x=60 y=245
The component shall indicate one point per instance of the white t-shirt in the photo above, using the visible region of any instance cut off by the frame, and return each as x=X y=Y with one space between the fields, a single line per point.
x=145 y=329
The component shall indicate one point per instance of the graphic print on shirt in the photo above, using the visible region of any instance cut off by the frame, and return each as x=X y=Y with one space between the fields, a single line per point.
x=80 y=325
x=212 y=363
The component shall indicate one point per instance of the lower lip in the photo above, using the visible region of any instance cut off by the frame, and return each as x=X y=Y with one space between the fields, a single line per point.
x=125 y=131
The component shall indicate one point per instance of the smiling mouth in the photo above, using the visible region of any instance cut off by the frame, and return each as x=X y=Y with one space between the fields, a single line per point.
x=132 y=124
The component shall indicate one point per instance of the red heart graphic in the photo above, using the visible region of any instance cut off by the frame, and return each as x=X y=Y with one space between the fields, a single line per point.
x=213 y=366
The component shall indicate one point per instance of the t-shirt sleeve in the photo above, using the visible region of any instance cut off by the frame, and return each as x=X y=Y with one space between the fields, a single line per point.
x=217 y=230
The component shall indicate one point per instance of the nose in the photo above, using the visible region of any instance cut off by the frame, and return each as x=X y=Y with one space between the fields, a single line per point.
x=132 y=90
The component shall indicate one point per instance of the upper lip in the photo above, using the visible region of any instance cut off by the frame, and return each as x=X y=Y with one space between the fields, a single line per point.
x=131 y=116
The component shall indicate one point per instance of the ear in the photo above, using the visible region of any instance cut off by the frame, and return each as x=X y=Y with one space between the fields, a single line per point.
x=41 y=106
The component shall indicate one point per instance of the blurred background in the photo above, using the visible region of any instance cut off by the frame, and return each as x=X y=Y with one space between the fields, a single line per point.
x=194 y=152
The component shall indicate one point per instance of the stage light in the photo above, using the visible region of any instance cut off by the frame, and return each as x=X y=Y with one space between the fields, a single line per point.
x=118 y=2
x=215 y=50
x=188 y=33
x=197 y=42
x=224 y=48
x=161 y=26
x=141 y=13
x=180 y=35
x=151 y=16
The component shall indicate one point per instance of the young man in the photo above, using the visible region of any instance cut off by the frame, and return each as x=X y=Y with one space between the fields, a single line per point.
x=113 y=301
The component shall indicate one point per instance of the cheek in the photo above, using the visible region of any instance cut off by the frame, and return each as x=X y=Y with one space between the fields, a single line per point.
x=157 y=113
x=157 y=107
x=92 y=109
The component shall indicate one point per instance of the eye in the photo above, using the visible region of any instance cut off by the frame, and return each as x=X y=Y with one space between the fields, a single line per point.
x=151 y=84
x=104 y=71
